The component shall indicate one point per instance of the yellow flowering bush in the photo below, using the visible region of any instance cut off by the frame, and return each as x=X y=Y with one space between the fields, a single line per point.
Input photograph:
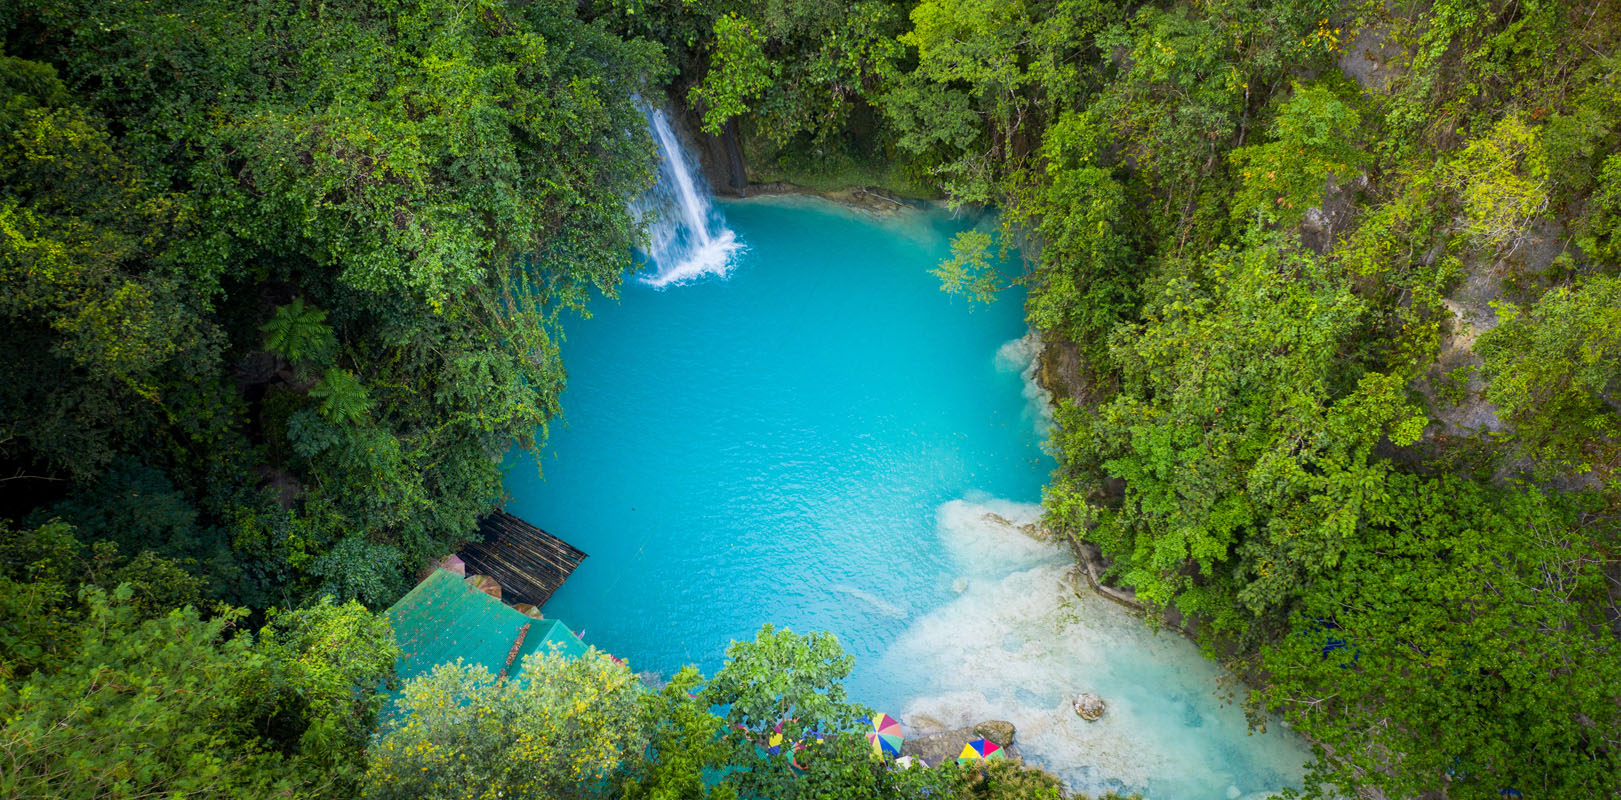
x=560 y=729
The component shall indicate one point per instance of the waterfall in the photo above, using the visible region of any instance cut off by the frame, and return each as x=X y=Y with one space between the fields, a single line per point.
x=687 y=237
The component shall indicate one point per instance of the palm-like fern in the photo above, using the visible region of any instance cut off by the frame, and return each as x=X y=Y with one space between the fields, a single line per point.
x=299 y=332
x=342 y=397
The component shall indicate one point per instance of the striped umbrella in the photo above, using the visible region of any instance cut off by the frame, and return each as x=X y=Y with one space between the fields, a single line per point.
x=885 y=735
x=981 y=750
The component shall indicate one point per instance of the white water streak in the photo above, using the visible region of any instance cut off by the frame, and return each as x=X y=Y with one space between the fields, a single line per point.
x=687 y=237
x=1023 y=356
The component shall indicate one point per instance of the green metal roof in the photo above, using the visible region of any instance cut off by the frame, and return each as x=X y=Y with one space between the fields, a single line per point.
x=443 y=619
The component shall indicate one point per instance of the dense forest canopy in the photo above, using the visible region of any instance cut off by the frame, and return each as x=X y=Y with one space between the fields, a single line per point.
x=1331 y=294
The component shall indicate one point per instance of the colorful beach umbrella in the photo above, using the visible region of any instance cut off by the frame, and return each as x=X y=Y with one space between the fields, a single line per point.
x=885 y=735
x=774 y=744
x=980 y=750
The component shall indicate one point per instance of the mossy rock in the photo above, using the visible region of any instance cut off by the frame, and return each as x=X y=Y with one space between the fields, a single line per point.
x=996 y=730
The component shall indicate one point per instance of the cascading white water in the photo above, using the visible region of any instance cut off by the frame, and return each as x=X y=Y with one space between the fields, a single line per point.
x=687 y=237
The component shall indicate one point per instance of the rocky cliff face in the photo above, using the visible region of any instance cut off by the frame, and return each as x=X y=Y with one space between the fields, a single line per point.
x=720 y=157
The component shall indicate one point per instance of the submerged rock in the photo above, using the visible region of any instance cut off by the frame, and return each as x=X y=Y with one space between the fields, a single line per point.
x=997 y=519
x=922 y=724
x=1031 y=529
x=1089 y=706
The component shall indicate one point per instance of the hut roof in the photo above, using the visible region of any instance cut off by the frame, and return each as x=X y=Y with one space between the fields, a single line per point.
x=444 y=619
x=528 y=562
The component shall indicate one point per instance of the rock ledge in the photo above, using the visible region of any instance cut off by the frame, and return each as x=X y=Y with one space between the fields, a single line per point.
x=944 y=746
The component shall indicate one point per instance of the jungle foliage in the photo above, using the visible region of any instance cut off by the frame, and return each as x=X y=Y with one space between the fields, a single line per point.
x=112 y=684
x=281 y=287
x=282 y=282
x=294 y=272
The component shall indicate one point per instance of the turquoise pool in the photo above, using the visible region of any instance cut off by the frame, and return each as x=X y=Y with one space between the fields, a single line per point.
x=815 y=440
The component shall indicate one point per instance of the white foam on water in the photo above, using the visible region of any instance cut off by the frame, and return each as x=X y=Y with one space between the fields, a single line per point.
x=715 y=257
x=982 y=536
x=1019 y=643
x=1022 y=356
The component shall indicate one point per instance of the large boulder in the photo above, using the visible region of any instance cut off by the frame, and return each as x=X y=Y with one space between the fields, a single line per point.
x=1089 y=706
x=939 y=748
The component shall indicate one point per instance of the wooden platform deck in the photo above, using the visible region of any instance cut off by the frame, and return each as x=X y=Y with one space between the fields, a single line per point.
x=528 y=562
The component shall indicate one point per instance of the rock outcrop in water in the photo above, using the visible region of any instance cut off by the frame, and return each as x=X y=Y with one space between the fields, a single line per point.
x=943 y=746
x=1089 y=706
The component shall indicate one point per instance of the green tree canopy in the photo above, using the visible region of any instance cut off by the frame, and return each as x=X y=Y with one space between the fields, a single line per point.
x=1462 y=653
x=1554 y=369
x=179 y=704
x=563 y=729
x=307 y=264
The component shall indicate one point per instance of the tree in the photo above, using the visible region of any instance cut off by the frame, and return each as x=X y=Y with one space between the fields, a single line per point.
x=1012 y=780
x=43 y=570
x=118 y=692
x=141 y=708
x=563 y=728
x=136 y=508
x=1312 y=144
x=1551 y=369
x=783 y=678
x=798 y=69
x=1463 y=651
x=343 y=399
x=329 y=663
x=1502 y=180
x=738 y=72
x=99 y=326
x=300 y=333
x=988 y=74
x=1246 y=443
x=686 y=747
x=969 y=270
x=1086 y=281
